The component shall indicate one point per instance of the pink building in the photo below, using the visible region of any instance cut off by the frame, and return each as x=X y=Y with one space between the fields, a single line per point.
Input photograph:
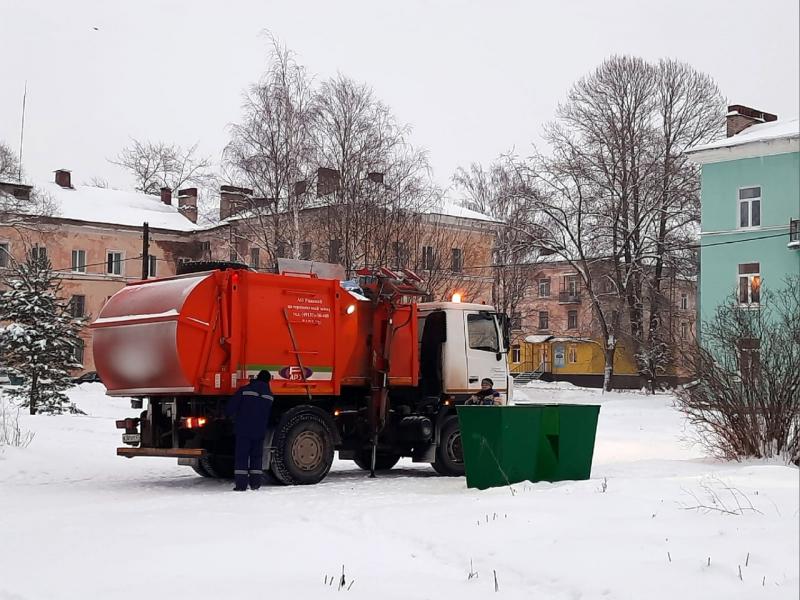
x=94 y=239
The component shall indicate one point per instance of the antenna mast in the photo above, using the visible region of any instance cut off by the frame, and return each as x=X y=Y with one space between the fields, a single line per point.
x=22 y=130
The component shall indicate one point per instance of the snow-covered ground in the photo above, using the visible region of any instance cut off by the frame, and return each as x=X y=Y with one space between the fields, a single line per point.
x=78 y=522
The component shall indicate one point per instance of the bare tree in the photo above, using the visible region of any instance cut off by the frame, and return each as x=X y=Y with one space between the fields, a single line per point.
x=493 y=192
x=618 y=142
x=377 y=182
x=570 y=225
x=9 y=164
x=744 y=402
x=270 y=152
x=154 y=165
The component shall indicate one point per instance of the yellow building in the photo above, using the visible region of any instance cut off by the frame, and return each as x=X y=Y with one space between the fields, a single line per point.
x=577 y=360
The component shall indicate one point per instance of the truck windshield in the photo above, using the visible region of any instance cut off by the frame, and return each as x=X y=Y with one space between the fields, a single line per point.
x=482 y=332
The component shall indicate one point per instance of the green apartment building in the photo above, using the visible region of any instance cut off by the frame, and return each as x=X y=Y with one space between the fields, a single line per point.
x=750 y=215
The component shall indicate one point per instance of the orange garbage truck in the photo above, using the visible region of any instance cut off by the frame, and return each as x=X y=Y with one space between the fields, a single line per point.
x=367 y=371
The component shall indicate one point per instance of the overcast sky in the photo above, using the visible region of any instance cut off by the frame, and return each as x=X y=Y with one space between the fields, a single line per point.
x=473 y=79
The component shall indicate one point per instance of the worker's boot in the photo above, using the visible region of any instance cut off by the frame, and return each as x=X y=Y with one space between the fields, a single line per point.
x=256 y=477
x=240 y=479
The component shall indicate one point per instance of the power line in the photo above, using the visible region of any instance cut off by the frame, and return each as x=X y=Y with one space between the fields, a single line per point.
x=611 y=256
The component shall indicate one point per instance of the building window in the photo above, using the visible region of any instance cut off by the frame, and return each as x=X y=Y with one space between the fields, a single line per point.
x=749 y=359
x=305 y=251
x=151 y=265
x=282 y=250
x=544 y=288
x=255 y=258
x=457 y=261
x=516 y=321
x=77 y=351
x=572 y=319
x=428 y=258
x=114 y=262
x=684 y=301
x=5 y=255
x=205 y=249
x=233 y=255
x=608 y=285
x=572 y=354
x=79 y=261
x=399 y=255
x=39 y=253
x=335 y=252
x=684 y=331
x=749 y=283
x=571 y=284
x=749 y=207
x=516 y=354
x=77 y=306
x=544 y=320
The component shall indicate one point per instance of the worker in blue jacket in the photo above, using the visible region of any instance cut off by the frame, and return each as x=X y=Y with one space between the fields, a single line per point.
x=249 y=408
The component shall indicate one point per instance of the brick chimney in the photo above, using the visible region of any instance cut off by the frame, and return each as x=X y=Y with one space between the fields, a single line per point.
x=232 y=200
x=166 y=195
x=187 y=202
x=64 y=178
x=741 y=117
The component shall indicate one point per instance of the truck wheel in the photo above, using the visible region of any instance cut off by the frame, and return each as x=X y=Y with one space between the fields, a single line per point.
x=200 y=469
x=218 y=466
x=303 y=447
x=383 y=461
x=449 y=454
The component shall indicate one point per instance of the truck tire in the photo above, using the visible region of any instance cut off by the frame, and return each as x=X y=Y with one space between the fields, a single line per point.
x=218 y=466
x=383 y=461
x=449 y=453
x=201 y=266
x=200 y=469
x=303 y=447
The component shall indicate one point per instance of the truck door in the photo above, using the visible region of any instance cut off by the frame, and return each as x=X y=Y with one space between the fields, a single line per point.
x=484 y=352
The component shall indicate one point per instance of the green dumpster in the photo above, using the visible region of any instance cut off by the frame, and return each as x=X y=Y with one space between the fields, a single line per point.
x=535 y=442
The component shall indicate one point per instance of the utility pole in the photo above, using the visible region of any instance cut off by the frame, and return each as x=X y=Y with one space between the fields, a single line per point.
x=145 y=250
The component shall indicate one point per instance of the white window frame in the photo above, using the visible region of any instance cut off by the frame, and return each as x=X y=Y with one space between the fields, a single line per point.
x=685 y=330
x=750 y=277
x=121 y=263
x=749 y=202
x=548 y=281
x=152 y=266
x=456 y=260
x=572 y=355
x=546 y=314
x=36 y=251
x=78 y=266
x=570 y=326
x=684 y=301
x=516 y=354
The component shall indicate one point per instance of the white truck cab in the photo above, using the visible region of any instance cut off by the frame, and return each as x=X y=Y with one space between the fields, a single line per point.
x=460 y=344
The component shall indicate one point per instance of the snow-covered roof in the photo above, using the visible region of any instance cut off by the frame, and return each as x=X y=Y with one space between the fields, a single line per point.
x=763 y=132
x=450 y=208
x=115 y=207
x=445 y=207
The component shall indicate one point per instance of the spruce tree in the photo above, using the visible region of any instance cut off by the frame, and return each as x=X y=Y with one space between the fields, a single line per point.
x=38 y=337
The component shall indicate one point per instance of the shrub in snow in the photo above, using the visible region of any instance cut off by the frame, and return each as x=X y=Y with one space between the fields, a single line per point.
x=11 y=434
x=746 y=400
x=39 y=338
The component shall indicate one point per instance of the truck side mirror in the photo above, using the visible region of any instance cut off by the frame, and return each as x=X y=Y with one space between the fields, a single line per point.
x=505 y=327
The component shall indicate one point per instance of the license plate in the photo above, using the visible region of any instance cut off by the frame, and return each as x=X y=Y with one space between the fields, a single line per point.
x=131 y=438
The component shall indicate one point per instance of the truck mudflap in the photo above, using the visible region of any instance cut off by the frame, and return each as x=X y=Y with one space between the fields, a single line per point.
x=168 y=452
